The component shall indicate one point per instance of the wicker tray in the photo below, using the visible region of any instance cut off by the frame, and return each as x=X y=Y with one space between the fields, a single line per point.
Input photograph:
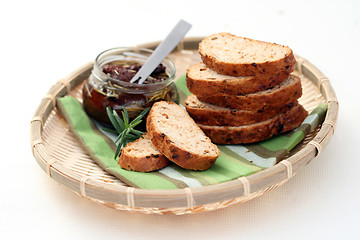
x=57 y=152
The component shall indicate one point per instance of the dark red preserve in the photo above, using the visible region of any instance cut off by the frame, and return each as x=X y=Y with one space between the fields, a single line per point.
x=109 y=84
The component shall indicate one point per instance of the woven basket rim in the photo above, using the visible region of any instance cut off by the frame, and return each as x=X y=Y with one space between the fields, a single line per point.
x=180 y=197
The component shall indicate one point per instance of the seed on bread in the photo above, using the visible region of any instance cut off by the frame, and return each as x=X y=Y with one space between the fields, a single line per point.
x=238 y=56
x=142 y=156
x=179 y=138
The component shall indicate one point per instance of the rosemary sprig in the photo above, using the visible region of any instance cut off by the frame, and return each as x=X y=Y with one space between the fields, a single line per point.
x=125 y=128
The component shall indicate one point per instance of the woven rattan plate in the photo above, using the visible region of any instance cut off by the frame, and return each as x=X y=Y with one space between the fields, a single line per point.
x=59 y=154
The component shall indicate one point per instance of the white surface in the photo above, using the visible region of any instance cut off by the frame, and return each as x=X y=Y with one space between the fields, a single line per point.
x=43 y=41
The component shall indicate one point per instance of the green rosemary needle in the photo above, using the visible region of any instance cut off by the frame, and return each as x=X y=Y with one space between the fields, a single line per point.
x=124 y=128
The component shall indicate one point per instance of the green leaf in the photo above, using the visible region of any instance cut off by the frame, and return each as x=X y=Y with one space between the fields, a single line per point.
x=137 y=132
x=119 y=137
x=125 y=128
x=119 y=121
x=109 y=130
x=141 y=115
x=126 y=114
x=131 y=136
x=112 y=119
x=121 y=140
x=134 y=124
x=125 y=117
x=118 y=149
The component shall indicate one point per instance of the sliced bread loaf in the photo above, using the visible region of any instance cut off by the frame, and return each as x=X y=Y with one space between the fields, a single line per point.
x=142 y=156
x=238 y=56
x=280 y=95
x=179 y=138
x=209 y=114
x=258 y=131
x=202 y=80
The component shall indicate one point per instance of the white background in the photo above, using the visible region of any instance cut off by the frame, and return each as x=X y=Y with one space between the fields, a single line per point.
x=43 y=41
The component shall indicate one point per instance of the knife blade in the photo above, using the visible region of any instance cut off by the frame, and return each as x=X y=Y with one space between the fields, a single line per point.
x=164 y=49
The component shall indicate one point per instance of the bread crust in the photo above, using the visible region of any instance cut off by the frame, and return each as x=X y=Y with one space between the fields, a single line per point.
x=252 y=84
x=173 y=150
x=208 y=114
x=285 y=64
x=256 y=132
x=152 y=161
x=269 y=99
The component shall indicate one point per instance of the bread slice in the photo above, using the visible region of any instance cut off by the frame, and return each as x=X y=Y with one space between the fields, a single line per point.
x=258 y=131
x=202 y=80
x=280 y=95
x=179 y=138
x=142 y=156
x=209 y=114
x=238 y=56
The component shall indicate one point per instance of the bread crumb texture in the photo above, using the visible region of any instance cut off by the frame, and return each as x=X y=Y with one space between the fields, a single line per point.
x=179 y=138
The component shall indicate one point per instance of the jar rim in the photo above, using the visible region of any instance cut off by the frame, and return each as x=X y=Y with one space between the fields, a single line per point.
x=99 y=74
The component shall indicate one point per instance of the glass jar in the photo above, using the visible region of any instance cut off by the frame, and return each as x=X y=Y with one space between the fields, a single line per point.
x=102 y=90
